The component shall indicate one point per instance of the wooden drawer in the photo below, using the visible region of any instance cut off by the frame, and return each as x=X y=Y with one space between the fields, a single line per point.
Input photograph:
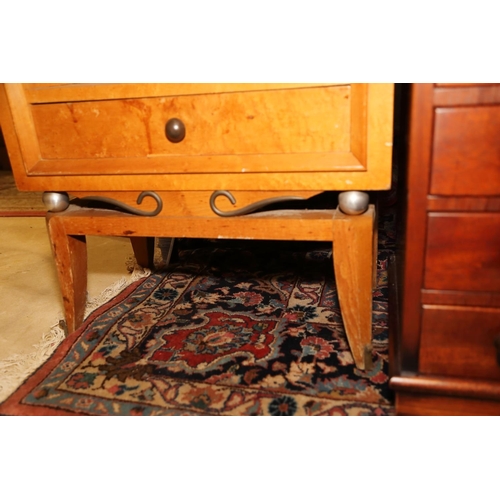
x=81 y=137
x=459 y=341
x=461 y=85
x=466 y=151
x=264 y=122
x=463 y=252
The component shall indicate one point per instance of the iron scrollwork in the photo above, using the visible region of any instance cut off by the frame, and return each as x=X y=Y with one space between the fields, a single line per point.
x=253 y=207
x=128 y=208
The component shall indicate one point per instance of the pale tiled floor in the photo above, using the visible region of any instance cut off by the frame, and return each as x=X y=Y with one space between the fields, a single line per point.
x=30 y=301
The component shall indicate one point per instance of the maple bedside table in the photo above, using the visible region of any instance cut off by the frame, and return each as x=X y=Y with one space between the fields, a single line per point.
x=200 y=159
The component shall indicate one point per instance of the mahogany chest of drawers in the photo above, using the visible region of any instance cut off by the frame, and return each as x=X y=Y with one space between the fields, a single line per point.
x=446 y=337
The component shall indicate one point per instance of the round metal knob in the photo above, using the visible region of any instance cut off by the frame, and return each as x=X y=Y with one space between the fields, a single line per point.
x=175 y=130
x=55 y=202
x=354 y=202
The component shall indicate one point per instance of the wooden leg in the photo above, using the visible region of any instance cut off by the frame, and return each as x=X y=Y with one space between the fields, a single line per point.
x=169 y=250
x=375 y=247
x=70 y=255
x=353 y=247
x=144 y=250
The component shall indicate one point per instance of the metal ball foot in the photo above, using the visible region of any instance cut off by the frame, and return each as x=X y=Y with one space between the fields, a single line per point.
x=55 y=202
x=353 y=202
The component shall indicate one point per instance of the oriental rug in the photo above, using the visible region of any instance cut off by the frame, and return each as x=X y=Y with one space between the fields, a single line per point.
x=231 y=328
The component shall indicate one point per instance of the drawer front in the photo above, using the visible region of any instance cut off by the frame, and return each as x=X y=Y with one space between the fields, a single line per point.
x=461 y=85
x=459 y=341
x=466 y=151
x=264 y=122
x=463 y=252
x=301 y=137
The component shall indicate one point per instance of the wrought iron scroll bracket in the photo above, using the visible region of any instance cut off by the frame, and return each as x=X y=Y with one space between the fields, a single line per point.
x=253 y=207
x=128 y=208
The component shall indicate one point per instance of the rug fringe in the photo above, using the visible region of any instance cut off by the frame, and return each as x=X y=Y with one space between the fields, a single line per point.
x=113 y=290
x=17 y=368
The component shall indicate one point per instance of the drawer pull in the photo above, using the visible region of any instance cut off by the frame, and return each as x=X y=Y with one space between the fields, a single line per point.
x=497 y=345
x=175 y=130
x=249 y=208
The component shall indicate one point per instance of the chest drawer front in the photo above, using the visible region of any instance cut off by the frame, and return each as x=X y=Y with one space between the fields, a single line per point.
x=460 y=341
x=463 y=252
x=466 y=151
x=264 y=122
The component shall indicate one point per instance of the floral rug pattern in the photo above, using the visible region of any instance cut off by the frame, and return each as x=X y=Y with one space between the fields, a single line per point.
x=235 y=328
